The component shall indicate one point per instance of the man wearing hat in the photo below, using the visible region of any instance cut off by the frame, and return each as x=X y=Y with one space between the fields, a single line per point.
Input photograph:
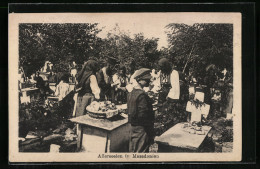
x=104 y=79
x=140 y=113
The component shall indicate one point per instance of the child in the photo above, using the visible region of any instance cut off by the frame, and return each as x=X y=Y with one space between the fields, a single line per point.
x=140 y=113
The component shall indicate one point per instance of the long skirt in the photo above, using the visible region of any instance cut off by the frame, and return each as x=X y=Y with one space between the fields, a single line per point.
x=141 y=138
x=83 y=102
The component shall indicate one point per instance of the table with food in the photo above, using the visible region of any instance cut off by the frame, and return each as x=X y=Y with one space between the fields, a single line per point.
x=103 y=129
x=184 y=136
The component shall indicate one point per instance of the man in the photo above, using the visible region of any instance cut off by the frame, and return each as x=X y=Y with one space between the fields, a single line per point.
x=140 y=112
x=104 y=78
x=120 y=81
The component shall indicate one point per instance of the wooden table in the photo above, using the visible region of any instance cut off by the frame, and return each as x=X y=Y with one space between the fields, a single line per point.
x=102 y=135
x=177 y=138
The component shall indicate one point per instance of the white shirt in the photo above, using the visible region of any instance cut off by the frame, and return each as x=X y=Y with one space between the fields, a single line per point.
x=116 y=80
x=62 y=90
x=174 y=92
x=94 y=86
x=106 y=77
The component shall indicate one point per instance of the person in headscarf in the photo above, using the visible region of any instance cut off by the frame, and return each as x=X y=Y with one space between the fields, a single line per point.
x=140 y=114
x=169 y=81
x=120 y=80
x=104 y=78
x=87 y=87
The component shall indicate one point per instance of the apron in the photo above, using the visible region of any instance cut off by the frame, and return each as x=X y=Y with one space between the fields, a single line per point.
x=83 y=102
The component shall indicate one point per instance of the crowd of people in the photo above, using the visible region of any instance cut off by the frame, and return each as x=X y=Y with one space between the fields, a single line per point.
x=115 y=83
x=120 y=87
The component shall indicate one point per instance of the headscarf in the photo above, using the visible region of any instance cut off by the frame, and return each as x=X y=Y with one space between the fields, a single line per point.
x=165 y=65
x=88 y=69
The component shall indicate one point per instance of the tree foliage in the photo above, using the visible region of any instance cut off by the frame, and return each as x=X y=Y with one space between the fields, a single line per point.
x=136 y=51
x=62 y=43
x=58 y=43
x=194 y=47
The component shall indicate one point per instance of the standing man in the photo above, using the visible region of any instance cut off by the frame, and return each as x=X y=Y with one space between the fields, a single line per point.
x=120 y=81
x=140 y=112
x=104 y=78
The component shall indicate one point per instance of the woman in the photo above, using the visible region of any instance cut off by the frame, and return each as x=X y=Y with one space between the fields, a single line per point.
x=120 y=80
x=172 y=83
x=169 y=81
x=87 y=87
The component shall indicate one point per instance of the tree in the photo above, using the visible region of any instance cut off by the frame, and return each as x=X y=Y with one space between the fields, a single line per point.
x=194 y=47
x=137 y=50
x=58 y=43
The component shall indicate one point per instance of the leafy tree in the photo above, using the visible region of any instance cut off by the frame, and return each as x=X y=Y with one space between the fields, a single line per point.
x=58 y=43
x=137 y=50
x=194 y=47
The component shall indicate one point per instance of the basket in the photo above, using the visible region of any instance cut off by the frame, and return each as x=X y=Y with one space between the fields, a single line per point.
x=103 y=115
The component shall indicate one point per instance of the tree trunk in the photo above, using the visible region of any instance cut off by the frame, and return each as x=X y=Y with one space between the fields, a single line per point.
x=188 y=58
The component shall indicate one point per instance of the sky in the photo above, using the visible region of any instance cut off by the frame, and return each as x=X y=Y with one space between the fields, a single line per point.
x=150 y=28
x=150 y=24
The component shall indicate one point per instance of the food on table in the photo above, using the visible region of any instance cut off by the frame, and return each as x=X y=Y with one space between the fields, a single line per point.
x=101 y=106
x=194 y=128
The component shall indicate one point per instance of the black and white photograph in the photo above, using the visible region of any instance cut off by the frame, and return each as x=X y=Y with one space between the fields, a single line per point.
x=125 y=87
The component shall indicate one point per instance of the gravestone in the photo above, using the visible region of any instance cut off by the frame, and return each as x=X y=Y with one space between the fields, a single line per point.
x=197 y=112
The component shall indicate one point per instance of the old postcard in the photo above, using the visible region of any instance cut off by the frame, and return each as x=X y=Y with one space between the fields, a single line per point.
x=125 y=87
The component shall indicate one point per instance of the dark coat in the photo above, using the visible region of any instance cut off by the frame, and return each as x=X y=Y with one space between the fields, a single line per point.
x=140 y=109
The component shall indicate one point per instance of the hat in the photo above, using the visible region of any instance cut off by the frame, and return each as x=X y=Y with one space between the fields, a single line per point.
x=143 y=74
